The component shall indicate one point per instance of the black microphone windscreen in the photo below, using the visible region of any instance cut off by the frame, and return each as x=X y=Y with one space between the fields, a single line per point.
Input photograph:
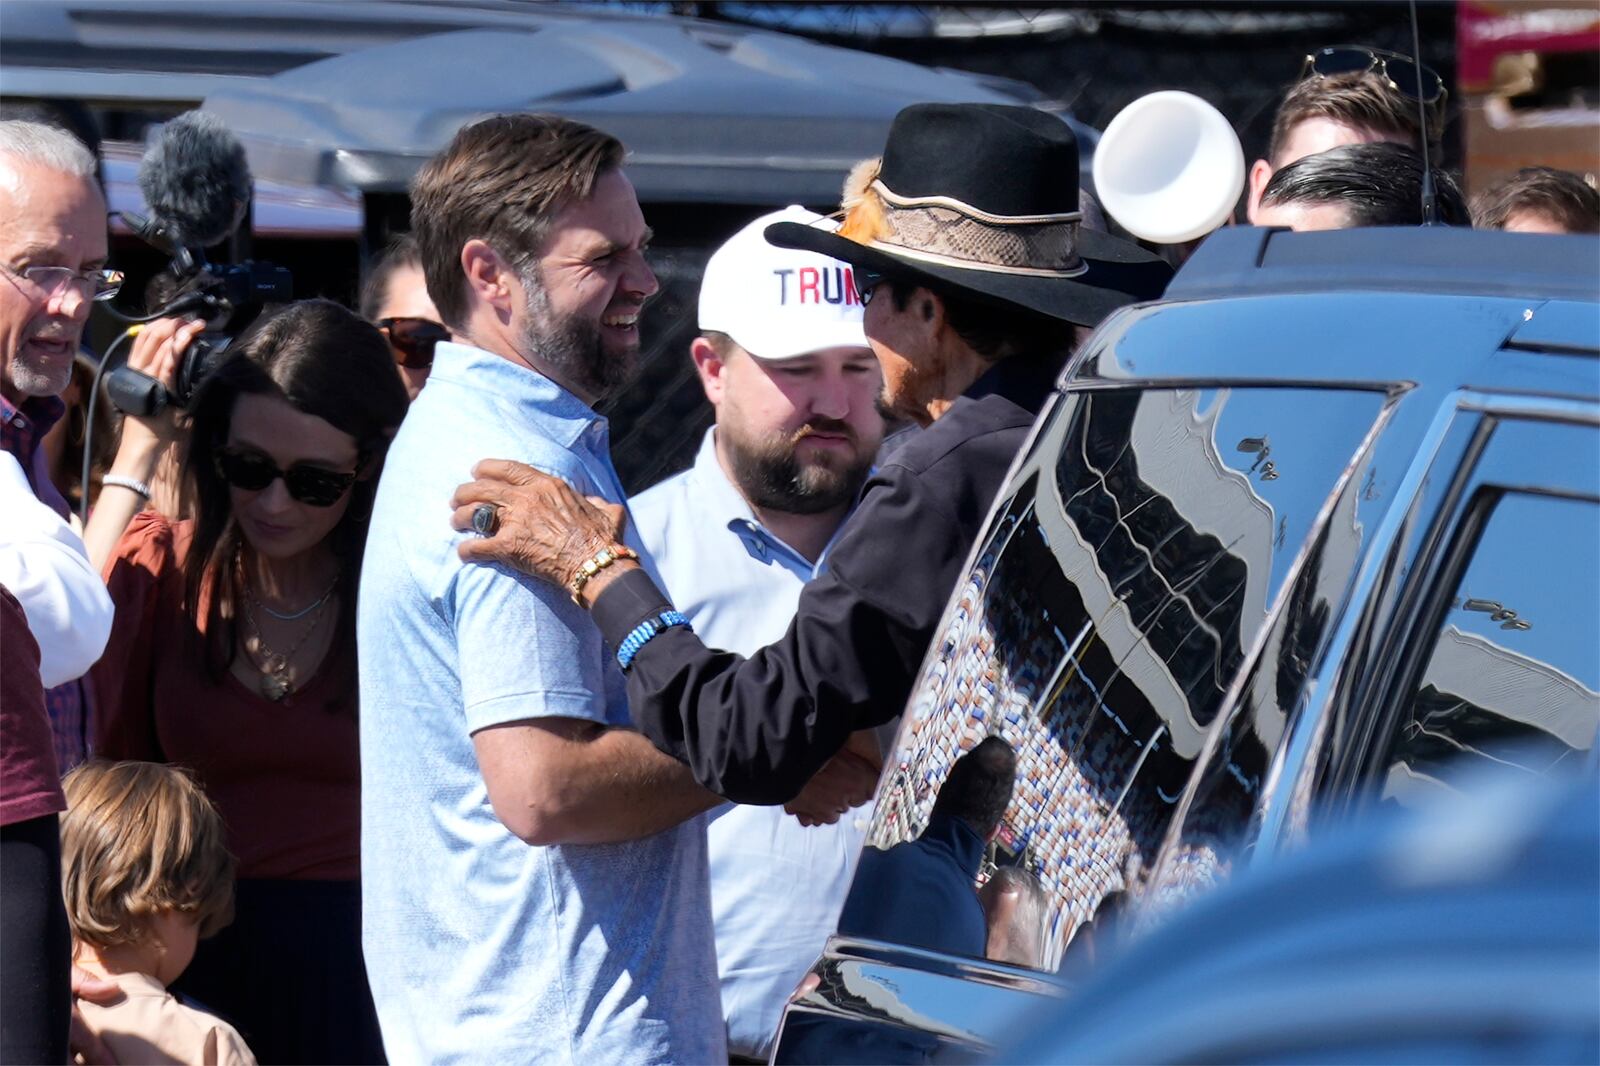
x=195 y=179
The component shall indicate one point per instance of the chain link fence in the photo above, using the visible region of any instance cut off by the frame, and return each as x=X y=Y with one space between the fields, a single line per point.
x=1095 y=59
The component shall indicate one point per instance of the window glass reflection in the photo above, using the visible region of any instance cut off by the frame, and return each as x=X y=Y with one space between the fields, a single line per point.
x=1513 y=675
x=1116 y=596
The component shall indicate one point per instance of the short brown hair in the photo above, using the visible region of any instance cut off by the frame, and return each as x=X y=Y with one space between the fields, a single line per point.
x=501 y=180
x=1358 y=100
x=1559 y=195
x=139 y=838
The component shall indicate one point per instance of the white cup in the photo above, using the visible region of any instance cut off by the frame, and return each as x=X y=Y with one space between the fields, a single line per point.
x=1169 y=168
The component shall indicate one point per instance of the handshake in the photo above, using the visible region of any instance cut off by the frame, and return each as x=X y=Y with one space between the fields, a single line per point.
x=845 y=781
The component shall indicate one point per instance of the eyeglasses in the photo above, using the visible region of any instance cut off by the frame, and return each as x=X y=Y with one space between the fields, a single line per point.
x=51 y=280
x=252 y=472
x=1399 y=71
x=413 y=340
x=866 y=282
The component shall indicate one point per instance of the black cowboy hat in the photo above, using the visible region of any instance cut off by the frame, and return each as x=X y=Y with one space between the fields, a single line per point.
x=983 y=199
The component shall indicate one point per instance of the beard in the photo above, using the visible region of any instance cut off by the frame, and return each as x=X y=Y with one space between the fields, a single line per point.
x=32 y=374
x=570 y=345
x=772 y=476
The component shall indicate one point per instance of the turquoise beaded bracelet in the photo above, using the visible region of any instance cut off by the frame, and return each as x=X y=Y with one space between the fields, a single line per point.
x=646 y=631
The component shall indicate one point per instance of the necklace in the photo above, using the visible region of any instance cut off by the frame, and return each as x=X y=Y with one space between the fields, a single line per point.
x=276 y=684
x=295 y=616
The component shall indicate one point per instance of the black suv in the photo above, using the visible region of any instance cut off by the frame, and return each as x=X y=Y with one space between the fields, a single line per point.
x=1304 y=538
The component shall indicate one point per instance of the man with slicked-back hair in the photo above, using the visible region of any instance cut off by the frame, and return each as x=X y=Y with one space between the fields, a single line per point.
x=1319 y=113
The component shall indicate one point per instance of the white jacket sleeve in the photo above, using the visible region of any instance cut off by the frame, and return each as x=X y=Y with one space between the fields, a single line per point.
x=44 y=565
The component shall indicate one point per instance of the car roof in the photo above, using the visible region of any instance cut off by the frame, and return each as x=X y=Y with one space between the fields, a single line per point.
x=179 y=50
x=355 y=96
x=1382 y=309
x=1434 y=259
x=709 y=113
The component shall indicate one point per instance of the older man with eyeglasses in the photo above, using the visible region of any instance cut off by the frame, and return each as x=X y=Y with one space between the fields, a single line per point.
x=52 y=267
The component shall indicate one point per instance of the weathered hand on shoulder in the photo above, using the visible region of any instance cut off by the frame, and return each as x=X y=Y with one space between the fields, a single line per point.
x=544 y=527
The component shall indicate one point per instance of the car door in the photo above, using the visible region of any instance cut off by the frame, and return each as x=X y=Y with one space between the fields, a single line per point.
x=1475 y=644
x=1133 y=563
x=1501 y=666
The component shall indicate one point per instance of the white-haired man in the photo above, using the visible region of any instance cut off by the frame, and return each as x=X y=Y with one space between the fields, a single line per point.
x=52 y=266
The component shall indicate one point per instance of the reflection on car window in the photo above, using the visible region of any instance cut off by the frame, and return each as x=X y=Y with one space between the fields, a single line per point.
x=1116 y=595
x=1514 y=674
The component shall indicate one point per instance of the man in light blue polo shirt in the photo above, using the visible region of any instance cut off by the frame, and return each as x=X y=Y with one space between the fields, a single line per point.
x=534 y=878
x=785 y=364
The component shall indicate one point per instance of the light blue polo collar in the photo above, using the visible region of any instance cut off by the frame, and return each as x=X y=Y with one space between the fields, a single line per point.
x=561 y=415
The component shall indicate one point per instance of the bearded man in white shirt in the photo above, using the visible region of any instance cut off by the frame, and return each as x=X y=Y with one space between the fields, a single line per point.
x=786 y=366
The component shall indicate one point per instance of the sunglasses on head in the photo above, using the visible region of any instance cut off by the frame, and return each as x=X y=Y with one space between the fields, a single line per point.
x=1399 y=71
x=866 y=282
x=413 y=340
x=252 y=472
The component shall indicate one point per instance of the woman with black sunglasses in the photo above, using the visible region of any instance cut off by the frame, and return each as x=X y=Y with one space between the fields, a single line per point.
x=395 y=299
x=233 y=653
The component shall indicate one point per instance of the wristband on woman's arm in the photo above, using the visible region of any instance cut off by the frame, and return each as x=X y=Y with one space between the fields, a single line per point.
x=129 y=483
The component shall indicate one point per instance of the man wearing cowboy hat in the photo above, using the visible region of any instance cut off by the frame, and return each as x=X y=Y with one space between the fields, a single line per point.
x=964 y=241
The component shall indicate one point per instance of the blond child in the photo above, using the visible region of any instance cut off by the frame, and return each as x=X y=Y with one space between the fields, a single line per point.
x=146 y=875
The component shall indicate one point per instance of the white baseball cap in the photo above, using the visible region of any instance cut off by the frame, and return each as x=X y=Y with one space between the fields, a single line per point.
x=780 y=303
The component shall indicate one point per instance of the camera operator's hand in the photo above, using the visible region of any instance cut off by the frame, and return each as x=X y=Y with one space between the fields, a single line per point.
x=157 y=352
x=126 y=489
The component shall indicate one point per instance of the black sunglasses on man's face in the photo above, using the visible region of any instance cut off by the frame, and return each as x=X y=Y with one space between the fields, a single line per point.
x=866 y=282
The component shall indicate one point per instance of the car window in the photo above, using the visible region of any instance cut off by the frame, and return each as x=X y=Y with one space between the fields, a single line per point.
x=1513 y=676
x=1131 y=566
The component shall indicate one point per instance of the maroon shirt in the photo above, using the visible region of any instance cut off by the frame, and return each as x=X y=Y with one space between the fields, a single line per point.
x=29 y=785
x=286 y=776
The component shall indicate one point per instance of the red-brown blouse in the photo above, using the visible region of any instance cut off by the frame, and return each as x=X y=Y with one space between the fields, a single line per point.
x=286 y=776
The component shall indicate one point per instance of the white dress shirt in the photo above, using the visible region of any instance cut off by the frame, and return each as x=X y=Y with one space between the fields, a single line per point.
x=776 y=886
x=45 y=566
